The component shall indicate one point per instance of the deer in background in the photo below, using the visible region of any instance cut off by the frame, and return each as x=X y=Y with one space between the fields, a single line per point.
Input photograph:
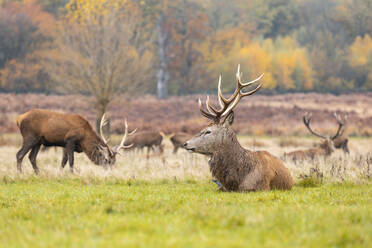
x=150 y=139
x=341 y=142
x=325 y=149
x=178 y=139
x=70 y=131
x=236 y=168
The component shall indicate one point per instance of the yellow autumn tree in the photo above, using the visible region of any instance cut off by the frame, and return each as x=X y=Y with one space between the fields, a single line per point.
x=286 y=65
x=291 y=65
x=360 y=58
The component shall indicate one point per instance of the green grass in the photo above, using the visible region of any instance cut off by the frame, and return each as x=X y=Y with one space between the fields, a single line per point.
x=38 y=212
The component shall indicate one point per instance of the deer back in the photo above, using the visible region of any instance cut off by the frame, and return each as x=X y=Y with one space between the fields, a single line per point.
x=145 y=138
x=55 y=127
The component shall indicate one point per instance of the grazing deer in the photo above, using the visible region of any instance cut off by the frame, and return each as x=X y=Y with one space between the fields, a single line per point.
x=325 y=149
x=44 y=127
x=178 y=139
x=149 y=139
x=236 y=168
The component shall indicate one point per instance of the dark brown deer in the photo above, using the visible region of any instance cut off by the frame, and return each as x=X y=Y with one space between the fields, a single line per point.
x=150 y=139
x=178 y=139
x=70 y=131
x=325 y=149
x=342 y=141
x=236 y=168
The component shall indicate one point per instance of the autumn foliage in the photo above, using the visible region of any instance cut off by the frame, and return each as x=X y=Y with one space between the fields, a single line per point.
x=300 y=45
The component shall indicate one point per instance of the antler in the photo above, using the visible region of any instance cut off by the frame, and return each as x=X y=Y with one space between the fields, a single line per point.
x=341 y=124
x=227 y=105
x=104 y=121
x=307 y=119
x=121 y=145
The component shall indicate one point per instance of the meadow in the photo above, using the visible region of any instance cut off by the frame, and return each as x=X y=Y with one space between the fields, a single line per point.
x=170 y=201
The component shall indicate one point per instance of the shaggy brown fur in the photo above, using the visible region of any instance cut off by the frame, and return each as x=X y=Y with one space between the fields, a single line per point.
x=236 y=168
x=43 y=127
x=149 y=139
x=178 y=139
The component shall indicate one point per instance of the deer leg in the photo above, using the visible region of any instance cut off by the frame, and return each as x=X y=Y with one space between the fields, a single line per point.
x=32 y=157
x=263 y=185
x=220 y=186
x=70 y=145
x=346 y=150
x=148 y=153
x=254 y=181
x=345 y=147
x=156 y=150
x=175 y=149
x=161 y=149
x=71 y=161
x=26 y=147
x=64 y=158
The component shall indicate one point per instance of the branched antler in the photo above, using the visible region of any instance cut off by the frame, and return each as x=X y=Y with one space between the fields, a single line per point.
x=103 y=123
x=307 y=119
x=121 y=145
x=227 y=105
x=116 y=149
x=341 y=125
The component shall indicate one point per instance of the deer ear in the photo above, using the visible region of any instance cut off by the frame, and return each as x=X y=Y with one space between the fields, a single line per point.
x=229 y=119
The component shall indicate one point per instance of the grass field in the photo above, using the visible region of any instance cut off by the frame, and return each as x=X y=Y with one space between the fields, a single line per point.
x=71 y=213
x=169 y=201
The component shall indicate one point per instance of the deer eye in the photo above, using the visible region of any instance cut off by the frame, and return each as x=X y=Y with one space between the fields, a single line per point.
x=207 y=132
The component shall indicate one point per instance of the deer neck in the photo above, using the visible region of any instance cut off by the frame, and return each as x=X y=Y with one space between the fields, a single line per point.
x=327 y=148
x=89 y=144
x=228 y=162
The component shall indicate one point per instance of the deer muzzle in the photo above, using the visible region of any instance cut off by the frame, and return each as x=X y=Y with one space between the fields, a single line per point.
x=188 y=148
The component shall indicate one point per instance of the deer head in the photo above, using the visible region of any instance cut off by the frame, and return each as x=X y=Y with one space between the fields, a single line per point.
x=106 y=154
x=327 y=144
x=218 y=133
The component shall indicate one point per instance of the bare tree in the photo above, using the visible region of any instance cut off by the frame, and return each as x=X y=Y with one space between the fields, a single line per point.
x=102 y=55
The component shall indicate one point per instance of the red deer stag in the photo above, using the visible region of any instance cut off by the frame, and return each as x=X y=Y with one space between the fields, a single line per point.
x=44 y=127
x=325 y=149
x=178 y=139
x=236 y=168
x=149 y=139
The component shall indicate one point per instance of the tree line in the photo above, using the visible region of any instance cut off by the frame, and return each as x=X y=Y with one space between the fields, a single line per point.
x=104 y=47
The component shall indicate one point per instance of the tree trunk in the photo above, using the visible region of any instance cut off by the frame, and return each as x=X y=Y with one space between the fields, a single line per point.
x=162 y=73
x=101 y=108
